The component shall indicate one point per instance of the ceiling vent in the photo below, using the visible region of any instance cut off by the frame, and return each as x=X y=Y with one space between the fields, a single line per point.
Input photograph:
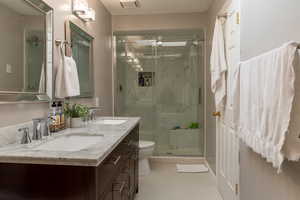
x=130 y=3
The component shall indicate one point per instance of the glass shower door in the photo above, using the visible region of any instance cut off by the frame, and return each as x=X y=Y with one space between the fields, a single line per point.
x=177 y=99
x=160 y=77
x=135 y=84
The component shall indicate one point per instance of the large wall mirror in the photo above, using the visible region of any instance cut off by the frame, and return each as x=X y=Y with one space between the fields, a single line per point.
x=26 y=45
x=82 y=52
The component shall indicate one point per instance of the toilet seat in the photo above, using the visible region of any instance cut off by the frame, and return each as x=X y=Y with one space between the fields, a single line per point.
x=146 y=144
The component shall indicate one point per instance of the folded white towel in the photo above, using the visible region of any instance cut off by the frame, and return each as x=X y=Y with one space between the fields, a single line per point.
x=67 y=81
x=218 y=66
x=265 y=97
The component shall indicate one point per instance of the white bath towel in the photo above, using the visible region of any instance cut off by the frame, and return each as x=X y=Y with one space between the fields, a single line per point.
x=292 y=145
x=218 y=66
x=266 y=93
x=67 y=81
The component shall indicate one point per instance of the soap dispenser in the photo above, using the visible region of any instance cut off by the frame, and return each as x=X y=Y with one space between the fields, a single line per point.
x=54 y=125
x=61 y=115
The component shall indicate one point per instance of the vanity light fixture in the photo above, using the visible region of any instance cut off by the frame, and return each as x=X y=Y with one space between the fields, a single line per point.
x=80 y=7
x=90 y=15
x=81 y=10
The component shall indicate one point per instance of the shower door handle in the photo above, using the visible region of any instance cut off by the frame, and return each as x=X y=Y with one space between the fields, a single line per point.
x=200 y=96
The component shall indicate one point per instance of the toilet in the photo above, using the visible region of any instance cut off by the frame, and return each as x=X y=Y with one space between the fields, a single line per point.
x=146 y=149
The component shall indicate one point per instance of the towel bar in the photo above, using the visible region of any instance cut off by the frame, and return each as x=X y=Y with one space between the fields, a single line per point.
x=59 y=42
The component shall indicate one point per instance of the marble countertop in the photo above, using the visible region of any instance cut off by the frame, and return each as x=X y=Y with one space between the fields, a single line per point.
x=91 y=156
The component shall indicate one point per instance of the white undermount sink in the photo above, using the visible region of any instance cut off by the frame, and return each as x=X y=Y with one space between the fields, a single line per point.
x=112 y=121
x=70 y=143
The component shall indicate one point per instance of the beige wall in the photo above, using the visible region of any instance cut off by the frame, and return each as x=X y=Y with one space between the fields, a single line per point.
x=265 y=25
x=101 y=30
x=159 y=22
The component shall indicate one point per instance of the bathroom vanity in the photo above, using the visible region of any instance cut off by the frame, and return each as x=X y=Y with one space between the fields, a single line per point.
x=102 y=166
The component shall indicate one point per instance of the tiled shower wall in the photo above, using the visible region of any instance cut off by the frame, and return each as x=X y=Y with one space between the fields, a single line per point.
x=171 y=101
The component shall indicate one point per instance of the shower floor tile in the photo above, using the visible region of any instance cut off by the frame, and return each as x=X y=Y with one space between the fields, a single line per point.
x=165 y=183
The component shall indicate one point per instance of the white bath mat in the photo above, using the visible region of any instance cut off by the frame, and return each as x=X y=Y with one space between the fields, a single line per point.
x=191 y=168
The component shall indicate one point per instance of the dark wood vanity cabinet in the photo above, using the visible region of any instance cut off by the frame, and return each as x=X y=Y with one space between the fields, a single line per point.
x=120 y=171
x=116 y=178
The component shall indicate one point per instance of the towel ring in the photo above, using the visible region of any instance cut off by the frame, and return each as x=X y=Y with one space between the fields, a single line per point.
x=59 y=42
x=68 y=47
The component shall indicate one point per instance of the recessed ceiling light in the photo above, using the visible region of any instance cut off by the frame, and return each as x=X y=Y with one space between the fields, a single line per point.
x=159 y=43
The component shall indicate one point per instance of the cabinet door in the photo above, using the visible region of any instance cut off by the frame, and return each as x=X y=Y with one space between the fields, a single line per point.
x=109 y=196
x=120 y=191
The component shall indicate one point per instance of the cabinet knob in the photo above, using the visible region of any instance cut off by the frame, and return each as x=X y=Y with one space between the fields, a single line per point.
x=216 y=114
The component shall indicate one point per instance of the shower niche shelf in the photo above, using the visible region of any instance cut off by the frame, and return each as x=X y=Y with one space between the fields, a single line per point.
x=146 y=79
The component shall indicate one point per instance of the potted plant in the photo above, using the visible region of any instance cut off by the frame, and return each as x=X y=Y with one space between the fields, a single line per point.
x=76 y=113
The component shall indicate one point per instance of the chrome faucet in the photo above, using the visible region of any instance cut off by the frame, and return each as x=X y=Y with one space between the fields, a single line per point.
x=37 y=129
x=92 y=113
x=25 y=138
x=46 y=127
x=41 y=128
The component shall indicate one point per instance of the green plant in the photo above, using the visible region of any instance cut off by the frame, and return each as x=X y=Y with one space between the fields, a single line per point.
x=194 y=125
x=76 y=110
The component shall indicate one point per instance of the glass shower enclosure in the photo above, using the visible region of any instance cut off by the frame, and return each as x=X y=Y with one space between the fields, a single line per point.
x=159 y=76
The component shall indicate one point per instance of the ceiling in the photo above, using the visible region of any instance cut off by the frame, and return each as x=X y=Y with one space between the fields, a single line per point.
x=149 y=7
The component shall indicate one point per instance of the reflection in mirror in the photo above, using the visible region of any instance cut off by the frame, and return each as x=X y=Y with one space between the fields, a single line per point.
x=25 y=50
x=82 y=51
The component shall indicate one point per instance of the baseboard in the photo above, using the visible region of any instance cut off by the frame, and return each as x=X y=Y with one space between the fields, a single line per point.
x=177 y=160
x=211 y=171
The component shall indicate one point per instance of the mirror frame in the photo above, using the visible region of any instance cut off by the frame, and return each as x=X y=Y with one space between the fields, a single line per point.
x=68 y=38
x=30 y=97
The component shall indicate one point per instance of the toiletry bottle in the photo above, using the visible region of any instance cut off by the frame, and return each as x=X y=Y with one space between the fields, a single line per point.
x=53 y=115
x=141 y=80
x=57 y=117
x=61 y=115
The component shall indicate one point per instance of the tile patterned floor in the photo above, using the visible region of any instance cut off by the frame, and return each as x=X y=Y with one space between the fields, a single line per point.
x=164 y=183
